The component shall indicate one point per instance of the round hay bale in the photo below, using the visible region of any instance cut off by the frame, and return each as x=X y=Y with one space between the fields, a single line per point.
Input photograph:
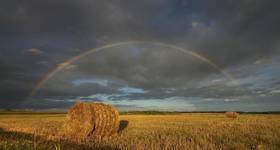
x=91 y=119
x=231 y=114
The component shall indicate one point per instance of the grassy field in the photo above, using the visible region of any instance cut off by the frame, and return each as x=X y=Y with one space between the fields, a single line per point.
x=168 y=131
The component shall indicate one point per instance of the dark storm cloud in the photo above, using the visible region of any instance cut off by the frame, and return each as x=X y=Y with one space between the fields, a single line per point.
x=36 y=36
x=229 y=28
x=145 y=66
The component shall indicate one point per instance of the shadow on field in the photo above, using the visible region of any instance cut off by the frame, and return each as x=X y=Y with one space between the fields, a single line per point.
x=39 y=142
x=123 y=125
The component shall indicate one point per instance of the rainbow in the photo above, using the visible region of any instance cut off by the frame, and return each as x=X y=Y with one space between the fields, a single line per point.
x=68 y=62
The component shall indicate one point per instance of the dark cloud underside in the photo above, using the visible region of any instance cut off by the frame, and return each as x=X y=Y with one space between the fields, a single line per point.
x=37 y=35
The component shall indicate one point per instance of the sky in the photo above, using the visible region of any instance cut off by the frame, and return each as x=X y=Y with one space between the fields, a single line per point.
x=218 y=55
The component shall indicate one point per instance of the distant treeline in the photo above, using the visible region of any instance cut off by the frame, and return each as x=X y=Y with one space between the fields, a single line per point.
x=148 y=112
x=30 y=112
x=177 y=112
x=47 y=112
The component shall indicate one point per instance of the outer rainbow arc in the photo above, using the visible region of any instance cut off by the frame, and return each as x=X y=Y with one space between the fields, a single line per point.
x=75 y=58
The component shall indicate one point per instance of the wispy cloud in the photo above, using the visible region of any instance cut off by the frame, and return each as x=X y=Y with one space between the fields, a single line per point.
x=100 y=82
x=34 y=51
x=132 y=90
x=275 y=92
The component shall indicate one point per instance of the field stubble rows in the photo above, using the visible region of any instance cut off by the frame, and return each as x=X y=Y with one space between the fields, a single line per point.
x=177 y=131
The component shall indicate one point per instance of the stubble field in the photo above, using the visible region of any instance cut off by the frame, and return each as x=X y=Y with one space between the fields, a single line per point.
x=173 y=131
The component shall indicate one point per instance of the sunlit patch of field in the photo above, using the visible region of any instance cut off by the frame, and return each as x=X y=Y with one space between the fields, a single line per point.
x=176 y=131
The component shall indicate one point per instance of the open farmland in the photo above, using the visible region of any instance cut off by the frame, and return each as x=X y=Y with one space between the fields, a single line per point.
x=169 y=131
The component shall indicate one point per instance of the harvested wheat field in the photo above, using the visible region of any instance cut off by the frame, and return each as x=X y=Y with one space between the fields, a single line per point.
x=171 y=131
